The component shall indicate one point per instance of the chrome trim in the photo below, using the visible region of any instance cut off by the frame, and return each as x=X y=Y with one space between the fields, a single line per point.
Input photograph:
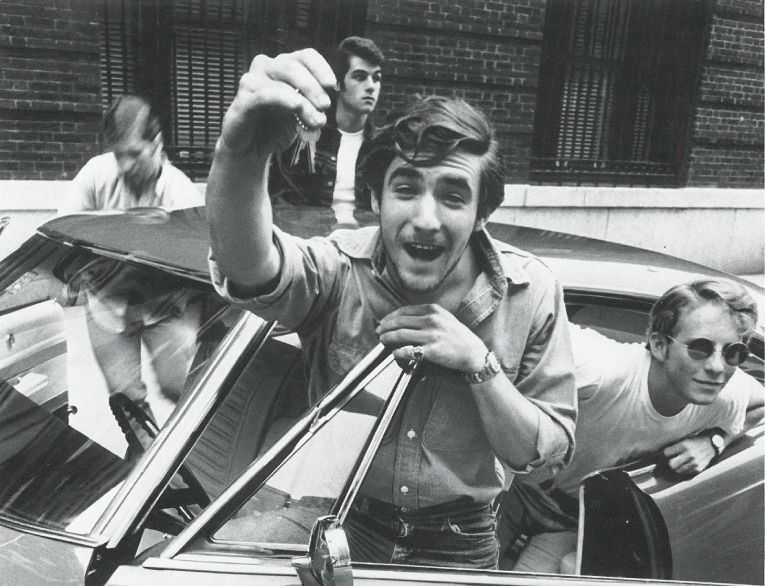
x=366 y=461
x=303 y=427
x=394 y=574
x=92 y=540
x=222 y=565
x=162 y=455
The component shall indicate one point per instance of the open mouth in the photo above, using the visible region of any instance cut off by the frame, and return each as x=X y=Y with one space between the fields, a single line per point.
x=422 y=251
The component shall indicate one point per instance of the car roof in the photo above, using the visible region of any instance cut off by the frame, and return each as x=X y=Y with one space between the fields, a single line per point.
x=178 y=241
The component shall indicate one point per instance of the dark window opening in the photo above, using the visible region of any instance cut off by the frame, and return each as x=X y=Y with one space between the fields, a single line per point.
x=186 y=57
x=616 y=89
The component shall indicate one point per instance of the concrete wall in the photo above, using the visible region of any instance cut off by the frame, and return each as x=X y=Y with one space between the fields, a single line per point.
x=722 y=228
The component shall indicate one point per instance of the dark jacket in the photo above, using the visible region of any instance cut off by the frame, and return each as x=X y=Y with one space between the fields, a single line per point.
x=291 y=180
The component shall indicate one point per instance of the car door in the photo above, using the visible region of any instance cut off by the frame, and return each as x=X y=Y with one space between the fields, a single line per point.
x=263 y=519
x=269 y=524
x=644 y=521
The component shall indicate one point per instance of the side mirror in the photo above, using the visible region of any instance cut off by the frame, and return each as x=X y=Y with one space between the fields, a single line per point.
x=328 y=562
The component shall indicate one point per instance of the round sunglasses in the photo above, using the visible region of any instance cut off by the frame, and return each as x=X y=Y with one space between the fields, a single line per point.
x=701 y=349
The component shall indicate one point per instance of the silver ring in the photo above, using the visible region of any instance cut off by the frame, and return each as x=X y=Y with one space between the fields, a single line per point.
x=417 y=353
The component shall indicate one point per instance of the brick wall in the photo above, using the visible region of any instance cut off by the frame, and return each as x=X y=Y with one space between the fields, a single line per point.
x=487 y=52
x=727 y=142
x=49 y=87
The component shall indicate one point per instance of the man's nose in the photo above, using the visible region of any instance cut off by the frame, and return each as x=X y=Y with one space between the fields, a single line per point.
x=715 y=363
x=426 y=216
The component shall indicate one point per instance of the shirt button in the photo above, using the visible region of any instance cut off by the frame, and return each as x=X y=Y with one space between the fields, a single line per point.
x=404 y=489
x=330 y=183
x=411 y=434
x=333 y=158
x=404 y=509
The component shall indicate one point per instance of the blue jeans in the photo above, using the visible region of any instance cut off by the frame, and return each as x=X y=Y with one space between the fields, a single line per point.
x=459 y=534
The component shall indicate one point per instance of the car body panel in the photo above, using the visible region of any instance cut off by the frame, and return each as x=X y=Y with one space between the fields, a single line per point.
x=731 y=489
x=26 y=558
x=595 y=275
x=33 y=353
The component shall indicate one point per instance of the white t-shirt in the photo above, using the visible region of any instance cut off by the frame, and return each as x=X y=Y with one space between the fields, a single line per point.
x=98 y=186
x=344 y=196
x=617 y=421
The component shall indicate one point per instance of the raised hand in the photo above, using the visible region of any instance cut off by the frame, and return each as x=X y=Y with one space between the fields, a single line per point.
x=273 y=97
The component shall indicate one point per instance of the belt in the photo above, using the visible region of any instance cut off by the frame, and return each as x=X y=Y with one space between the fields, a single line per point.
x=406 y=520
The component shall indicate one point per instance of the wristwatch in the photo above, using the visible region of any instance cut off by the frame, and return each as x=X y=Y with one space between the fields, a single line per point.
x=491 y=368
x=718 y=442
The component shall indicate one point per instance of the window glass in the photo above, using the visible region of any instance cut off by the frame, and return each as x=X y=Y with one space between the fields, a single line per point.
x=96 y=355
x=620 y=323
x=281 y=513
x=613 y=72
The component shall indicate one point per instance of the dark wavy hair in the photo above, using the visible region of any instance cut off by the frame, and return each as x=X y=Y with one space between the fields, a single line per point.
x=359 y=46
x=126 y=113
x=667 y=311
x=426 y=133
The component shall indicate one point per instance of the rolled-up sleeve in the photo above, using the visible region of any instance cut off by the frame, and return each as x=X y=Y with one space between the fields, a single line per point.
x=547 y=379
x=310 y=276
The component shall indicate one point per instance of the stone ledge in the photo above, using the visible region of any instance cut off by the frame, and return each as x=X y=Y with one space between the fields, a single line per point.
x=532 y=196
x=43 y=195
x=38 y=195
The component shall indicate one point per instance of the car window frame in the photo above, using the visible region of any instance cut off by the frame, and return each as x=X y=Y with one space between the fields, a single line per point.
x=195 y=542
x=152 y=474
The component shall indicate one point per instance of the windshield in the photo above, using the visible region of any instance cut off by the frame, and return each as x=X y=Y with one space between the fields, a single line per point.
x=95 y=355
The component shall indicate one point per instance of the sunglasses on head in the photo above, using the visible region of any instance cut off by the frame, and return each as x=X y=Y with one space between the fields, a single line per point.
x=701 y=349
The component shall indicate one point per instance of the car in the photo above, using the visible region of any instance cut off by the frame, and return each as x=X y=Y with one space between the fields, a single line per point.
x=230 y=476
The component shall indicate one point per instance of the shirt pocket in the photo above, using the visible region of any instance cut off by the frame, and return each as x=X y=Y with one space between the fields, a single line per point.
x=342 y=356
x=454 y=424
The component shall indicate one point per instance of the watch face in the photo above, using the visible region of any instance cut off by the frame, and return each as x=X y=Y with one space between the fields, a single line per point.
x=493 y=363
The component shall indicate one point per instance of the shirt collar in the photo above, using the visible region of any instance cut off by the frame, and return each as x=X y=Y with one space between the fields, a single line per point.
x=500 y=262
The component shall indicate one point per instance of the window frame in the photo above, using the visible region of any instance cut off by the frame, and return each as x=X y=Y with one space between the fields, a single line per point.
x=602 y=56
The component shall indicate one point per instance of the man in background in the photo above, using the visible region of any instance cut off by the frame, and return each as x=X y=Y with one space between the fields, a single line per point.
x=325 y=171
x=124 y=310
x=135 y=172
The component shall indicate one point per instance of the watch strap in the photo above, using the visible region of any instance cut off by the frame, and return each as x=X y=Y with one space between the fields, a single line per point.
x=718 y=442
x=491 y=368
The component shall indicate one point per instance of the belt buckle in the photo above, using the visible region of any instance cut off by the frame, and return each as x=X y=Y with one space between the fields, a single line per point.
x=404 y=528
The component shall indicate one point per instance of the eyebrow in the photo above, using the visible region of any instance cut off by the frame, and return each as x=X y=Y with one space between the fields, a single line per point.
x=404 y=173
x=366 y=71
x=412 y=173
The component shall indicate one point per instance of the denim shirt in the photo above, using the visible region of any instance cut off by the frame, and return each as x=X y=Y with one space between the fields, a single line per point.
x=333 y=293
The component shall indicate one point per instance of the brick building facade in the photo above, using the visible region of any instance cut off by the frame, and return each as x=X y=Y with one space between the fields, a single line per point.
x=52 y=56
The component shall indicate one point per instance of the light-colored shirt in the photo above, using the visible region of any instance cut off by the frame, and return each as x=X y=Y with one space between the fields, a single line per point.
x=333 y=293
x=98 y=186
x=344 y=195
x=617 y=422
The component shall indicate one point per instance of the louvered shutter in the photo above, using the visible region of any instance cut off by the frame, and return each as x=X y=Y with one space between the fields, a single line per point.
x=615 y=83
